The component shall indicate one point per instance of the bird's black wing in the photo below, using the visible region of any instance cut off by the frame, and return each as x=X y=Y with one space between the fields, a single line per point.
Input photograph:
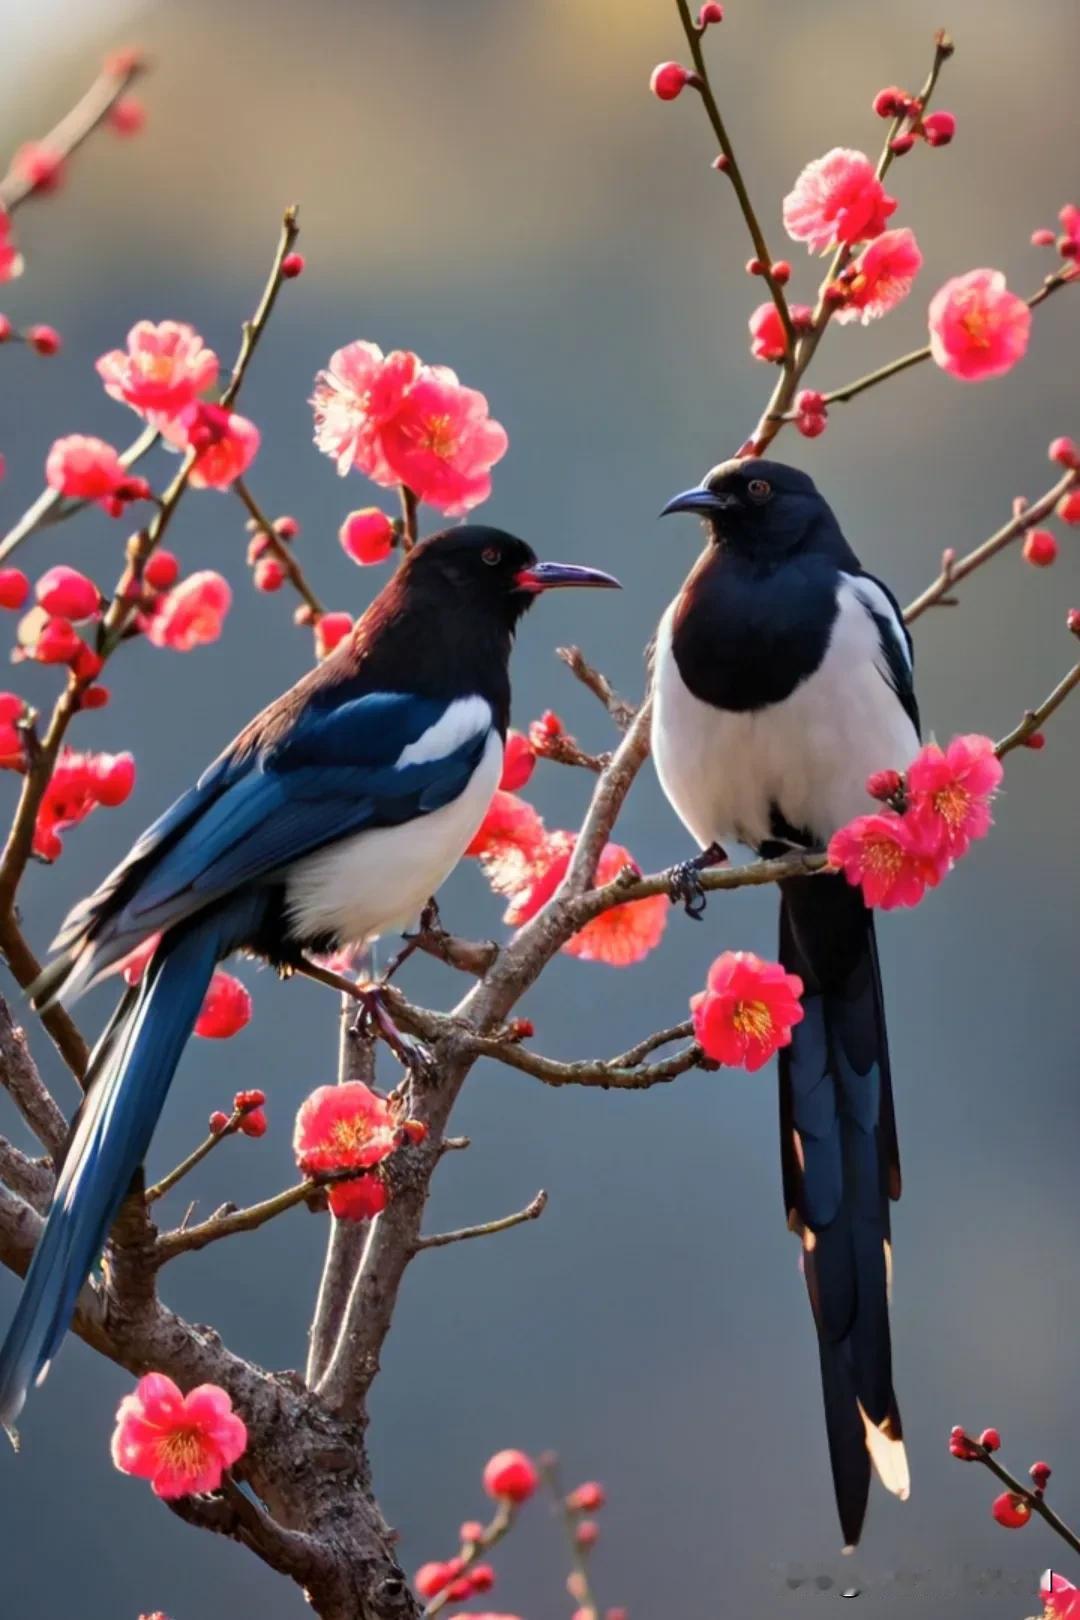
x=331 y=773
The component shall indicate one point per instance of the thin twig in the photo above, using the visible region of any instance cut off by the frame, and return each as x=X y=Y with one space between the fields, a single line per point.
x=277 y=548
x=1034 y=1499
x=492 y=1533
x=75 y=127
x=51 y=508
x=588 y=1608
x=620 y=711
x=532 y=1211
x=701 y=83
x=226 y=1222
x=196 y=1157
x=661 y=1037
x=915 y=357
x=253 y=329
x=1035 y=719
x=954 y=569
x=778 y=410
x=586 y=1072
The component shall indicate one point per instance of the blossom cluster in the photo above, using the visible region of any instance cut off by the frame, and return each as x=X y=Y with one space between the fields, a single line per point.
x=525 y=861
x=930 y=818
x=399 y=421
x=79 y=784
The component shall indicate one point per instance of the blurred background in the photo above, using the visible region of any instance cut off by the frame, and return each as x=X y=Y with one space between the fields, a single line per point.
x=493 y=186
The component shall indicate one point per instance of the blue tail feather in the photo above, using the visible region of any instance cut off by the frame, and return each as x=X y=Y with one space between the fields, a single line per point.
x=128 y=1079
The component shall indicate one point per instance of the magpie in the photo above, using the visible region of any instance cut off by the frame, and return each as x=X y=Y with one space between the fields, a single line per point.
x=782 y=680
x=330 y=820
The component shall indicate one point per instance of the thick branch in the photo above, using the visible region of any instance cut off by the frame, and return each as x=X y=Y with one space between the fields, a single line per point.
x=20 y=1078
x=30 y=1178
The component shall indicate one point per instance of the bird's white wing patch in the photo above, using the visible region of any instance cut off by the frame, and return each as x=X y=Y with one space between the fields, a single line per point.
x=464 y=718
x=878 y=602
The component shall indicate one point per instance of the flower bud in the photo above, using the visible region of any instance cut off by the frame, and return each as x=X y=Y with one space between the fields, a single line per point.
x=668 y=80
x=1011 y=1511
x=991 y=1439
x=890 y=102
x=884 y=785
x=1040 y=1473
x=1040 y=548
x=939 y=128
x=901 y=144
x=292 y=265
x=1065 y=452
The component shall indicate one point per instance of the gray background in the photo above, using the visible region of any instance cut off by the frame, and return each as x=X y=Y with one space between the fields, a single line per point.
x=492 y=185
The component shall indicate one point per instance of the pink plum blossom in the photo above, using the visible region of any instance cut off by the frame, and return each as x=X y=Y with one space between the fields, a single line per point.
x=949 y=793
x=837 y=198
x=880 y=278
x=354 y=397
x=978 y=328
x=164 y=368
x=191 y=614
x=886 y=857
x=442 y=442
x=181 y=1443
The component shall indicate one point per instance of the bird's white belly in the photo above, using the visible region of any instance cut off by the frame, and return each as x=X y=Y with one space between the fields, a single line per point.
x=379 y=881
x=809 y=755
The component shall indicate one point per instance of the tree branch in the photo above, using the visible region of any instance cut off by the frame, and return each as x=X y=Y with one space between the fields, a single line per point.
x=701 y=83
x=532 y=1211
x=954 y=569
x=609 y=1076
x=76 y=126
x=1035 y=719
x=277 y=548
x=620 y=711
x=20 y=1078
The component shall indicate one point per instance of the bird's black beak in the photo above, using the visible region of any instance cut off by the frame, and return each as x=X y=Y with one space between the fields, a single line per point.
x=548 y=576
x=705 y=501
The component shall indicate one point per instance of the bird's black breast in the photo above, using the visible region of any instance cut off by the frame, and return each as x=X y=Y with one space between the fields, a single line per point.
x=746 y=632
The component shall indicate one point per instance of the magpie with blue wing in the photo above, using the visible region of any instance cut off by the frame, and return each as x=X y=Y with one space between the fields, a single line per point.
x=783 y=679
x=331 y=819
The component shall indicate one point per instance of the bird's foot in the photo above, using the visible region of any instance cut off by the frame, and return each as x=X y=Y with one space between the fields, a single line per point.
x=429 y=924
x=684 y=881
x=374 y=1018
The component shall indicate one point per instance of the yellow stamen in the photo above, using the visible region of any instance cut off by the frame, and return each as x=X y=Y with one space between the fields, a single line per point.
x=752 y=1019
x=183 y=1449
x=952 y=804
x=348 y=1134
x=439 y=437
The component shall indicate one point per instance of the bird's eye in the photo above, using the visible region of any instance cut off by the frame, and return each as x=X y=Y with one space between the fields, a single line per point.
x=758 y=489
x=491 y=555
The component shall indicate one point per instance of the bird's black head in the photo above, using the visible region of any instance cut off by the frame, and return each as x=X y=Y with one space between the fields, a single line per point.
x=757 y=506
x=490 y=570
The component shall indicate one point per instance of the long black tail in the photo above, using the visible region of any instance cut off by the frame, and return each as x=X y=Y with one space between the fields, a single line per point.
x=127 y=1082
x=841 y=1168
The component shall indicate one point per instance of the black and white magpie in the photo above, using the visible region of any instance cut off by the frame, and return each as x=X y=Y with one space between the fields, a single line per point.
x=331 y=819
x=783 y=679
